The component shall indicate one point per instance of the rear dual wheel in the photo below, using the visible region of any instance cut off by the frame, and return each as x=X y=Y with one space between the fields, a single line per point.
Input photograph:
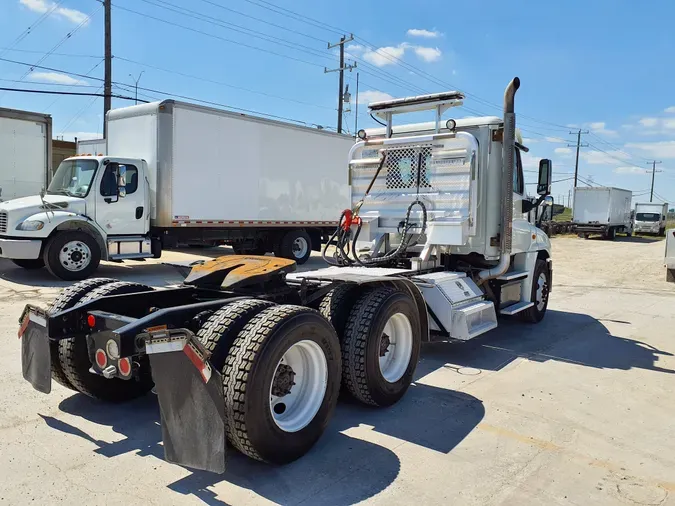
x=281 y=376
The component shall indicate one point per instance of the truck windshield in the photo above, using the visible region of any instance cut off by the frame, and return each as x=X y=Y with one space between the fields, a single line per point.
x=647 y=216
x=73 y=177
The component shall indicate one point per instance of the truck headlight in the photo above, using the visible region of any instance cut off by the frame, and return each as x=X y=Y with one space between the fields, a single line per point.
x=30 y=225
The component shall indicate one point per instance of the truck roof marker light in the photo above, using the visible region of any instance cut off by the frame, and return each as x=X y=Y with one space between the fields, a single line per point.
x=124 y=366
x=101 y=359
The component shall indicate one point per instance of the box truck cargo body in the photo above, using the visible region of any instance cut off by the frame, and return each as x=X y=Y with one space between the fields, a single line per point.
x=602 y=210
x=91 y=146
x=25 y=152
x=176 y=173
x=650 y=218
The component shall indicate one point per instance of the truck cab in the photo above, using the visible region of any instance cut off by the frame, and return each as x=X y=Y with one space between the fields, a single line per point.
x=95 y=208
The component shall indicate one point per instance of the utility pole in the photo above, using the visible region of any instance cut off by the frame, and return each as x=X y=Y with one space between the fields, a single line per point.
x=107 y=84
x=654 y=171
x=136 y=81
x=579 y=145
x=341 y=69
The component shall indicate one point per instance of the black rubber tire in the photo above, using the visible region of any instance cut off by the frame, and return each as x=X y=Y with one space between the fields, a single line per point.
x=223 y=326
x=337 y=304
x=76 y=362
x=533 y=314
x=662 y=232
x=361 y=346
x=68 y=298
x=51 y=255
x=284 y=248
x=611 y=234
x=248 y=373
x=37 y=263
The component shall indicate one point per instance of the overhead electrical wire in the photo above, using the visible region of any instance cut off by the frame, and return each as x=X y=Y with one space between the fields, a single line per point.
x=30 y=28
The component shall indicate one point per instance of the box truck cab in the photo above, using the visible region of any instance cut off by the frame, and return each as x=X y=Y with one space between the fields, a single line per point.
x=651 y=218
x=176 y=173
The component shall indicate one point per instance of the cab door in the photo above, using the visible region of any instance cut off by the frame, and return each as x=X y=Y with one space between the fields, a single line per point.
x=117 y=214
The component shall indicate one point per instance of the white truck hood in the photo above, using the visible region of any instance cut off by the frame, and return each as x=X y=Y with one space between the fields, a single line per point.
x=27 y=206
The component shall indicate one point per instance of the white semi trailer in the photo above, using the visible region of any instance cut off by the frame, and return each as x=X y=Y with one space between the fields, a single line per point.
x=26 y=153
x=436 y=245
x=650 y=218
x=91 y=147
x=602 y=210
x=179 y=173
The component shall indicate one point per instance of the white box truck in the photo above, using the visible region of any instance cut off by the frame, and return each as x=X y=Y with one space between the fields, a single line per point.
x=602 y=210
x=237 y=354
x=650 y=218
x=180 y=173
x=90 y=146
x=25 y=153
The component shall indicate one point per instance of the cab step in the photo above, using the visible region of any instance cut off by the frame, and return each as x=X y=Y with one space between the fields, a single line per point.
x=516 y=308
x=513 y=276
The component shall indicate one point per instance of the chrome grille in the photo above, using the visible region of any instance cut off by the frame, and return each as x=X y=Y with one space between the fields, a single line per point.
x=3 y=222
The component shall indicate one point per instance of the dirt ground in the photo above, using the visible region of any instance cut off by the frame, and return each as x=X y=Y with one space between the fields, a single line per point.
x=576 y=410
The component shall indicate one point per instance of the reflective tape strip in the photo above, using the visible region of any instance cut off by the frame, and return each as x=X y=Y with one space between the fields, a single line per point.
x=198 y=361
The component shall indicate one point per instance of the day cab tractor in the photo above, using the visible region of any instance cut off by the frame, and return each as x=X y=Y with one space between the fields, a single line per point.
x=437 y=244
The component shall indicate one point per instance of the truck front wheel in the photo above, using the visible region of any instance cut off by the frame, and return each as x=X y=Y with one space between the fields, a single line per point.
x=541 y=286
x=381 y=346
x=281 y=381
x=72 y=255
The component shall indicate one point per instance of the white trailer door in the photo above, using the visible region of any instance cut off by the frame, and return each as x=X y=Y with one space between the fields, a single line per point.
x=24 y=157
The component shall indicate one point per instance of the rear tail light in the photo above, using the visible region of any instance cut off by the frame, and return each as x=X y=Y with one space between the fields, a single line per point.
x=124 y=367
x=91 y=321
x=101 y=359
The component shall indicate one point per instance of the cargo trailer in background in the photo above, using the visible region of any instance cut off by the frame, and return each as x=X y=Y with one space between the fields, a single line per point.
x=25 y=153
x=602 y=210
x=91 y=146
x=650 y=218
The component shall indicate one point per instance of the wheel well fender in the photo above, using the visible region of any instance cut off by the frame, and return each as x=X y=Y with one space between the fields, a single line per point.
x=87 y=228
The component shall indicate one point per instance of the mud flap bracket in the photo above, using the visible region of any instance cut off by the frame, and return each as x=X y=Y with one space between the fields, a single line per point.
x=191 y=403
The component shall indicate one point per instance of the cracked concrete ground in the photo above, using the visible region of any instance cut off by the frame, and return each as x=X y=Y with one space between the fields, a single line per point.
x=576 y=410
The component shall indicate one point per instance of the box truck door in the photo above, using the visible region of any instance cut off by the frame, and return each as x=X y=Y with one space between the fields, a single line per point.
x=122 y=215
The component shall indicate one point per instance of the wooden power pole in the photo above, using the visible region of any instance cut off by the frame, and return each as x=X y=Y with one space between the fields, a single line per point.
x=107 y=81
x=341 y=69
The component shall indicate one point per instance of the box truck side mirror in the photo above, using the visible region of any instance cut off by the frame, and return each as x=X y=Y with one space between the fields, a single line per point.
x=545 y=177
x=122 y=181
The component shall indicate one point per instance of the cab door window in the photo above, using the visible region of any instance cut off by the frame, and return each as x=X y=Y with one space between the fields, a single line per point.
x=518 y=181
x=109 y=180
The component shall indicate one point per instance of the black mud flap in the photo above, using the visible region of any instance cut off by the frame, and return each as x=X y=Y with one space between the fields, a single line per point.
x=191 y=402
x=36 y=360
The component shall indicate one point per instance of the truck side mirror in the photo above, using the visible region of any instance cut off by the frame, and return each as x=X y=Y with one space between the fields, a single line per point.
x=545 y=177
x=122 y=181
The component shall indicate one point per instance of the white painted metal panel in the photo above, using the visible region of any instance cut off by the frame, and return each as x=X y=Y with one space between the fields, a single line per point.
x=602 y=205
x=91 y=146
x=229 y=167
x=23 y=160
x=670 y=248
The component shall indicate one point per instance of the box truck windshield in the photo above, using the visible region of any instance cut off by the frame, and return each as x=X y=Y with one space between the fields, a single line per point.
x=648 y=217
x=73 y=177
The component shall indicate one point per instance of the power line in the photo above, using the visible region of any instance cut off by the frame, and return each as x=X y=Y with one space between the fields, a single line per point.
x=49 y=84
x=28 y=30
x=70 y=55
x=81 y=112
x=59 y=92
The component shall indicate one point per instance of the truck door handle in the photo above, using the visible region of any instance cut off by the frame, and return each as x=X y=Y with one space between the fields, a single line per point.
x=139 y=212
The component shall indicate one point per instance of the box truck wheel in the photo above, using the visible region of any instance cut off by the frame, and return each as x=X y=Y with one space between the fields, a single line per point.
x=295 y=245
x=72 y=255
x=381 y=346
x=610 y=235
x=68 y=298
x=74 y=358
x=37 y=263
x=281 y=381
x=223 y=326
x=541 y=286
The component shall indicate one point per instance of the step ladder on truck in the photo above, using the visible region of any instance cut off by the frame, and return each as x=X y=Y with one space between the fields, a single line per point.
x=436 y=246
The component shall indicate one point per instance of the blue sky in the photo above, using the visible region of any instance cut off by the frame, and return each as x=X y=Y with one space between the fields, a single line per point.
x=603 y=66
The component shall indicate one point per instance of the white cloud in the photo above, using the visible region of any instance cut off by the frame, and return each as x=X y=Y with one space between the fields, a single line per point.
x=44 y=6
x=527 y=141
x=670 y=109
x=428 y=54
x=370 y=96
x=600 y=127
x=662 y=149
x=555 y=139
x=389 y=55
x=630 y=169
x=649 y=122
x=603 y=158
x=529 y=161
x=420 y=32
x=55 y=77
x=562 y=151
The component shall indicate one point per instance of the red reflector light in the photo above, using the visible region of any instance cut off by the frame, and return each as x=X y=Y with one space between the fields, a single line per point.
x=101 y=359
x=91 y=321
x=124 y=366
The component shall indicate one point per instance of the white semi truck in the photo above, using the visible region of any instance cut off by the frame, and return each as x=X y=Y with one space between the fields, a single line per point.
x=26 y=149
x=436 y=245
x=179 y=173
x=650 y=218
x=602 y=210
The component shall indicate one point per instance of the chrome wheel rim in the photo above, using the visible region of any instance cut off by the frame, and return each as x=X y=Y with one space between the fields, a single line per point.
x=300 y=247
x=75 y=256
x=542 y=292
x=298 y=386
x=395 y=347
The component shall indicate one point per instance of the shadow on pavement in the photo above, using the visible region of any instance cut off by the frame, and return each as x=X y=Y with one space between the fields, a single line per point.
x=567 y=337
x=340 y=469
x=639 y=239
